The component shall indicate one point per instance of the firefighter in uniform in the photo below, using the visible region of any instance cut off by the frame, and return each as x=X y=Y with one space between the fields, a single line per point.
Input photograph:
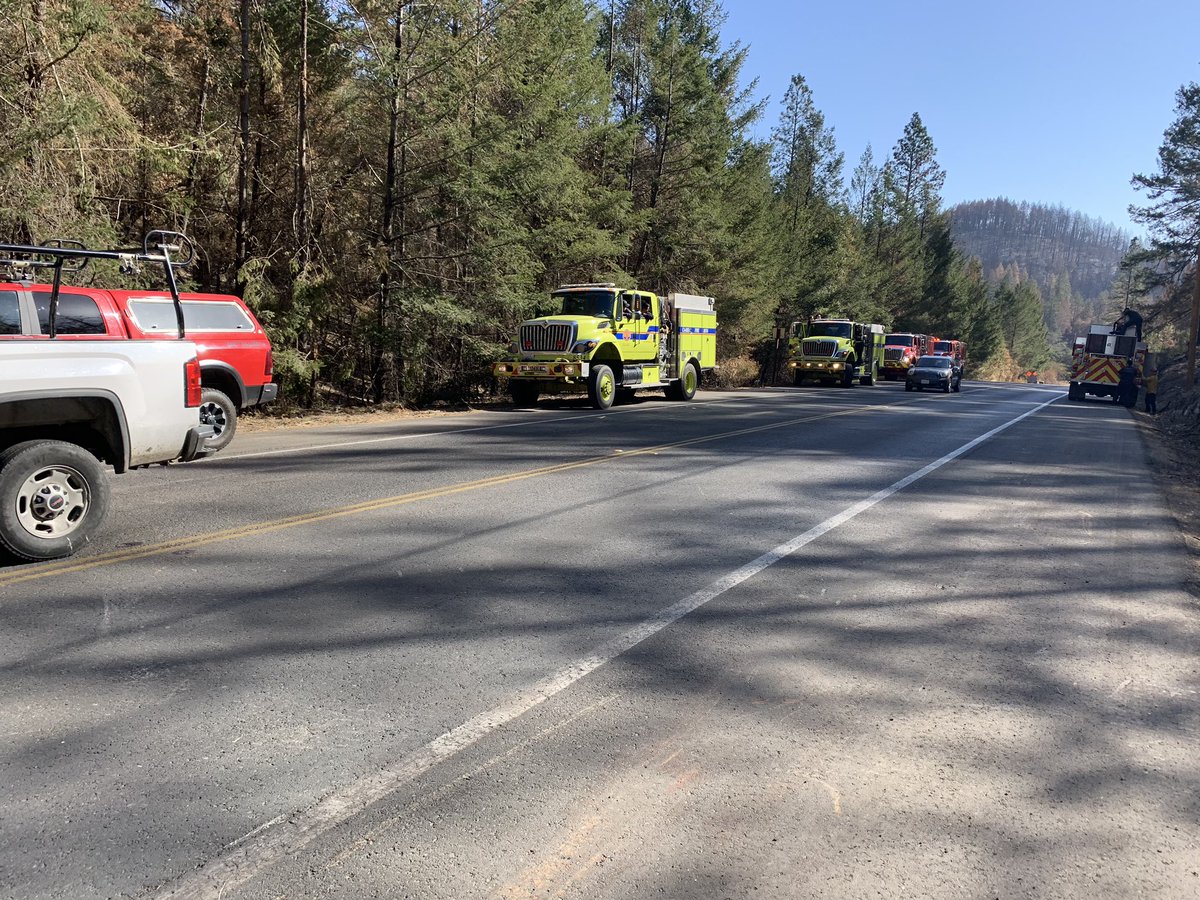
x=1151 y=383
x=1127 y=388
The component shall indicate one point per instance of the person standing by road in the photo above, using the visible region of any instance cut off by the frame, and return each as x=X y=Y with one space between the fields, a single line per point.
x=1151 y=382
x=1127 y=389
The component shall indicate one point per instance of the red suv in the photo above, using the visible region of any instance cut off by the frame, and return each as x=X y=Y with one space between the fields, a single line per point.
x=235 y=353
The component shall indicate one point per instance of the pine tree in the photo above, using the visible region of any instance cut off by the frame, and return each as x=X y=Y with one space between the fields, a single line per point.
x=864 y=186
x=807 y=178
x=917 y=178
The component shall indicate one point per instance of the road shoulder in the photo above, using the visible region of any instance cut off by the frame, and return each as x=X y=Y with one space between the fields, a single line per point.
x=1175 y=464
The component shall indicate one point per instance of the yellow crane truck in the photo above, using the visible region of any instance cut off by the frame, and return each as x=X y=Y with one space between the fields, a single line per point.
x=836 y=351
x=607 y=339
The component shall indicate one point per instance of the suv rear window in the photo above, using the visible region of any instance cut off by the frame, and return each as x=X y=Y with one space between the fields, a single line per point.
x=10 y=313
x=77 y=314
x=198 y=315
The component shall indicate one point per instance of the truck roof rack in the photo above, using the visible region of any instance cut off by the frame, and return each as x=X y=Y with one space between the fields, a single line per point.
x=170 y=249
x=592 y=284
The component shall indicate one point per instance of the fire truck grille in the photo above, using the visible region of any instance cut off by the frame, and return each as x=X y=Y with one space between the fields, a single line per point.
x=556 y=337
x=818 y=348
x=893 y=354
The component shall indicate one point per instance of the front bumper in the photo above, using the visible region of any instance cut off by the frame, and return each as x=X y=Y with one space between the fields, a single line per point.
x=817 y=367
x=918 y=382
x=541 y=370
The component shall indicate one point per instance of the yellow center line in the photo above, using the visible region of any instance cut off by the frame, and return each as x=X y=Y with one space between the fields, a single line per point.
x=258 y=528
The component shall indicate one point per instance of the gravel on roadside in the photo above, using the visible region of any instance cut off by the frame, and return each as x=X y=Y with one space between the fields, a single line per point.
x=1172 y=440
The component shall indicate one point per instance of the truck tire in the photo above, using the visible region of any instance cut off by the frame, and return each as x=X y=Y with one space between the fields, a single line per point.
x=523 y=393
x=847 y=379
x=868 y=380
x=797 y=378
x=1073 y=392
x=602 y=387
x=53 y=497
x=217 y=410
x=685 y=388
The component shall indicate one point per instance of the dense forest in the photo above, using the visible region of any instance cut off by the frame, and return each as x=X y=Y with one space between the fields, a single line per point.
x=1047 y=242
x=395 y=185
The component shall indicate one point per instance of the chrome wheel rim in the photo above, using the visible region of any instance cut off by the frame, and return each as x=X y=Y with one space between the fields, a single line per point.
x=53 y=502
x=214 y=414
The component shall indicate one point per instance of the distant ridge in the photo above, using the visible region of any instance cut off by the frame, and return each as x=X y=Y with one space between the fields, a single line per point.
x=1043 y=242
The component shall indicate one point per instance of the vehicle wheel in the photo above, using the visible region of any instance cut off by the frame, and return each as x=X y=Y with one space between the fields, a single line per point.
x=53 y=497
x=1074 y=393
x=217 y=410
x=602 y=387
x=523 y=393
x=847 y=379
x=947 y=386
x=958 y=386
x=869 y=379
x=685 y=387
x=797 y=378
x=908 y=386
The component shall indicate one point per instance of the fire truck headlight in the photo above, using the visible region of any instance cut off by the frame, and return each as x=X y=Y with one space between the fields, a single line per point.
x=514 y=348
x=583 y=347
x=837 y=365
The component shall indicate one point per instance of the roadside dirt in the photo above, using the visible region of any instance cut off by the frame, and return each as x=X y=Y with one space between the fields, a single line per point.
x=254 y=423
x=1175 y=457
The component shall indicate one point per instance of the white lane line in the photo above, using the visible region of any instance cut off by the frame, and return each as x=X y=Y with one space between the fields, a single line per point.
x=270 y=843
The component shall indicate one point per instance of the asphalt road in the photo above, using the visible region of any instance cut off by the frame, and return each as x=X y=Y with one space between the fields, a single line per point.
x=728 y=648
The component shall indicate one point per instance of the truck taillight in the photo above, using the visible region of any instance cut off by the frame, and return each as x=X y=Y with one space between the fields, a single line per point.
x=191 y=382
x=270 y=370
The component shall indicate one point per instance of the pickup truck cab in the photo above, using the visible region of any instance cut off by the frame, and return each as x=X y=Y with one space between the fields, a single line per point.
x=236 y=364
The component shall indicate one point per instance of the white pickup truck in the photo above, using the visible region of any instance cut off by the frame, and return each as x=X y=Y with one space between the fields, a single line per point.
x=67 y=410
x=70 y=409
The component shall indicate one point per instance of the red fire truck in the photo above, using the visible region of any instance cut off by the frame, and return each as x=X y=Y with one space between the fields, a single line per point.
x=900 y=351
x=956 y=349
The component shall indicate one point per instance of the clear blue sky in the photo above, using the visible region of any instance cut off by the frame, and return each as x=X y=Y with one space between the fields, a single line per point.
x=1057 y=101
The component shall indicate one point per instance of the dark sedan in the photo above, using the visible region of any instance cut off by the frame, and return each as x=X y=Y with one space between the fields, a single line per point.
x=935 y=373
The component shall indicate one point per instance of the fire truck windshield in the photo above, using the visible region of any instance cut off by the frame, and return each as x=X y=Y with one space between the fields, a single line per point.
x=899 y=340
x=587 y=303
x=943 y=347
x=828 y=329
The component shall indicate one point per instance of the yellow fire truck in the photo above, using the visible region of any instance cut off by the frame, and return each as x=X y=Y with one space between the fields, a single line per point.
x=836 y=351
x=607 y=339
